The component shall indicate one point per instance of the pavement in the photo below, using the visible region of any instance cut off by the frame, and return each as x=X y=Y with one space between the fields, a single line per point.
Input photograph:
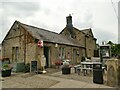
x=50 y=80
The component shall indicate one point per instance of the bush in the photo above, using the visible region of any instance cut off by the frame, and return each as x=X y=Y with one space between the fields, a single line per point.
x=6 y=67
x=58 y=63
x=27 y=68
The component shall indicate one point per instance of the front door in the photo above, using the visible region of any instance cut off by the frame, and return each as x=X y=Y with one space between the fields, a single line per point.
x=47 y=56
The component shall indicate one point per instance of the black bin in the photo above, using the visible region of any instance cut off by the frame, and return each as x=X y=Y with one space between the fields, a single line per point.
x=97 y=73
x=66 y=70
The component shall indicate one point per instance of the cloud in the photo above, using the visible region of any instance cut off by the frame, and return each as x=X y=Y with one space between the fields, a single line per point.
x=11 y=11
x=20 y=9
x=51 y=15
x=104 y=35
x=85 y=20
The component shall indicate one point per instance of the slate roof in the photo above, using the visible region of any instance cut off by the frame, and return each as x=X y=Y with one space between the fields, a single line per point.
x=86 y=31
x=50 y=36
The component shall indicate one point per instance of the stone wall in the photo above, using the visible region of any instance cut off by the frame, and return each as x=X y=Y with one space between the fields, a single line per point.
x=90 y=46
x=28 y=49
x=113 y=72
x=74 y=57
x=19 y=37
x=14 y=38
x=89 y=42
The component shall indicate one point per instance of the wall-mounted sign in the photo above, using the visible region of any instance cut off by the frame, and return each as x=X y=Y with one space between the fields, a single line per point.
x=105 y=50
x=40 y=43
x=56 y=45
x=43 y=61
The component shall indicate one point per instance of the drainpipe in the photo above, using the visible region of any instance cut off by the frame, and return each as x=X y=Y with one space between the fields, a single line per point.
x=25 y=37
x=25 y=48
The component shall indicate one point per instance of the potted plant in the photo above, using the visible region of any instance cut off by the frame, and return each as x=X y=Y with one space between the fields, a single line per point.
x=66 y=68
x=6 y=70
x=58 y=63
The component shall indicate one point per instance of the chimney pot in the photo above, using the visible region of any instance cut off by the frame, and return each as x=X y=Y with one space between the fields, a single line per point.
x=69 y=20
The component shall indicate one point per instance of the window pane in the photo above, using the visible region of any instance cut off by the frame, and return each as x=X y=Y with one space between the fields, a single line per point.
x=13 y=53
x=17 y=52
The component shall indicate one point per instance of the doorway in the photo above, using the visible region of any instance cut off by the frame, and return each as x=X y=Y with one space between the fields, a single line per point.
x=47 y=56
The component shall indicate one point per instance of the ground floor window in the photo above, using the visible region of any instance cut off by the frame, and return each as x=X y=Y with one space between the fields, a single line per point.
x=62 y=53
x=15 y=53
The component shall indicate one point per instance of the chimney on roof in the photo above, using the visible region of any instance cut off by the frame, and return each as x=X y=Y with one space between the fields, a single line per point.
x=69 y=26
x=69 y=21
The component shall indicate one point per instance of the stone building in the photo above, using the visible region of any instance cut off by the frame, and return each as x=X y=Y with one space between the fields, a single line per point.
x=84 y=37
x=21 y=44
x=113 y=72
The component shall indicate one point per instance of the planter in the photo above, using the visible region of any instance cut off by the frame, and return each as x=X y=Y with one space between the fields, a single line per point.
x=6 y=73
x=66 y=70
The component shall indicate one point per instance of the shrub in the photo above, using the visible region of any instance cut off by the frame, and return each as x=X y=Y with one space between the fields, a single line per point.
x=66 y=64
x=58 y=63
x=6 y=67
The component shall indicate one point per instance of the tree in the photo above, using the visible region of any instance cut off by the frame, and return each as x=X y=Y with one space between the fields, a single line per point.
x=115 y=48
x=110 y=43
x=118 y=48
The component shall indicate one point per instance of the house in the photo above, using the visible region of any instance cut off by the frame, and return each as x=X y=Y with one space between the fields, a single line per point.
x=84 y=37
x=26 y=43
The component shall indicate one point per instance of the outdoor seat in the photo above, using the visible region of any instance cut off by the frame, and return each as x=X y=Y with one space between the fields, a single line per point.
x=76 y=67
x=78 y=70
x=86 y=70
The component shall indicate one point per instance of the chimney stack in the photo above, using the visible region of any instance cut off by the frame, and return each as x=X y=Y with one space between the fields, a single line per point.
x=69 y=26
x=69 y=21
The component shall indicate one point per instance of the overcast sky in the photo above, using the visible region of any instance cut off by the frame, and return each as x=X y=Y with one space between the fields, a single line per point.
x=51 y=15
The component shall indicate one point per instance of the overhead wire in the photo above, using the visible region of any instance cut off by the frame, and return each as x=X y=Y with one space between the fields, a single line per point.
x=117 y=15
x=115 y=11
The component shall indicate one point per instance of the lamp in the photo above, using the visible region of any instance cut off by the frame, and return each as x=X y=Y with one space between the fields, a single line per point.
x=56 y=45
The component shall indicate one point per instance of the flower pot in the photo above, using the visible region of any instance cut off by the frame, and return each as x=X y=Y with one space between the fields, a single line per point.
x=66 y=70
x=6 y=73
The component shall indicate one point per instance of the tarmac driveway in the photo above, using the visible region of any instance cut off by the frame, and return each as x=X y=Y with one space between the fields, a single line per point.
x=27 y=80
x=49 y=80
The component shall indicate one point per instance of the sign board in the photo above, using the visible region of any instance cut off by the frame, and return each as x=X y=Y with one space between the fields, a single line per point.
x=105 y=51
x=40 y=43
x=33 y=66
x=43 y=61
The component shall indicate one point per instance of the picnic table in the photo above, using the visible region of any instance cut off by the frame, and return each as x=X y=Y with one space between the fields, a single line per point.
x=86 y=66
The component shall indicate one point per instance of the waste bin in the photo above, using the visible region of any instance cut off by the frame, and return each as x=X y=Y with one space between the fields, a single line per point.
x=97 y=73
x=66 y=70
